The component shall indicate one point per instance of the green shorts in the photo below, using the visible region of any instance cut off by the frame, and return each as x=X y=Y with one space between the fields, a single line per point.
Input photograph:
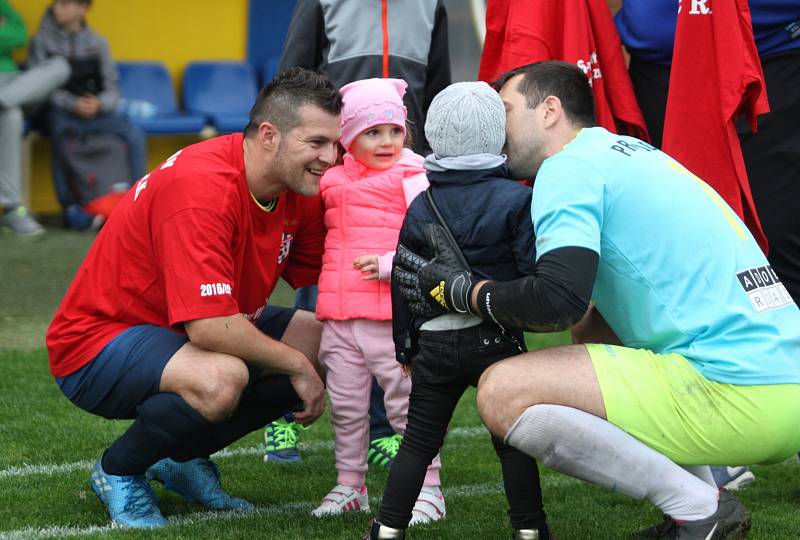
x=663 y=401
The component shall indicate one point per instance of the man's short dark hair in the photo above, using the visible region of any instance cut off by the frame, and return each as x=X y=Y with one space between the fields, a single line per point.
x=279 y=101
x=555 y=78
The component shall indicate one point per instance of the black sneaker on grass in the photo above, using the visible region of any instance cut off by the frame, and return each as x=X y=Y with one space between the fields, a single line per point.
x=731 y=520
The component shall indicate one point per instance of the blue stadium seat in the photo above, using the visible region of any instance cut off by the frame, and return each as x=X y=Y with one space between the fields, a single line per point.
x=223 y=91
x=267 y=24
x=270 y=69
x=149 y=99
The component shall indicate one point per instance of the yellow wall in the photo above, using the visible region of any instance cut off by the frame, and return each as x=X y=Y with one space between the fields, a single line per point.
x=174 y=32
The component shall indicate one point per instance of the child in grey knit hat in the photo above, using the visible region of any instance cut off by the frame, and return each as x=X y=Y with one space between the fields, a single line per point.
x=489 y=217
x=466 y=119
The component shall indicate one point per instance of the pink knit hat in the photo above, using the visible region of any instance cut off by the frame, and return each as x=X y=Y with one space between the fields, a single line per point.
x=371 y=102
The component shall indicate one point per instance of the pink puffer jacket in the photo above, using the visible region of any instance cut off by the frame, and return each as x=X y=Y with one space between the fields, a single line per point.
x=364 y=210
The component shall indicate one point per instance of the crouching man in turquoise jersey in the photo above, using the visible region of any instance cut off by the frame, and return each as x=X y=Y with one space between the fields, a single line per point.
x=693 y=356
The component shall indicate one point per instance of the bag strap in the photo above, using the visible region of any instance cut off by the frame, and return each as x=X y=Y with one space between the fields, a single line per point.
x=448 y=233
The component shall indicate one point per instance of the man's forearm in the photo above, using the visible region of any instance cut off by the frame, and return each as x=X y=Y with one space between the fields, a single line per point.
x=238 y=337
x=524 y=304
x=552 y=300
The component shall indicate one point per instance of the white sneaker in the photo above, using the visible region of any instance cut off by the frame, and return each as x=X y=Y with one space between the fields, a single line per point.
x=732 y=478
x=21 y=222
x=429 y=506
x=343 y=499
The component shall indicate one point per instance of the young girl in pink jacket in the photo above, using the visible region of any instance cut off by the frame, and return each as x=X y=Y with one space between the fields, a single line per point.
x=365 y=203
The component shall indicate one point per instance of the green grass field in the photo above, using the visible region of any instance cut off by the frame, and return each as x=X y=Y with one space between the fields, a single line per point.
x=47 y=446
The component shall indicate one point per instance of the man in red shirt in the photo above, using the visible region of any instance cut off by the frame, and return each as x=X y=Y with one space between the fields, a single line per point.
x=167 y=322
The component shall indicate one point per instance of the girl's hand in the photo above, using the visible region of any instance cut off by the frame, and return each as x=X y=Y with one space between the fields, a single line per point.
x=405 y=369
x=368 y=264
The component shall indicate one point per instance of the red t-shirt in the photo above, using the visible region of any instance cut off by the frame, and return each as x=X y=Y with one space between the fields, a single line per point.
x=187 y=242
x=583 y=33
x=716 y=75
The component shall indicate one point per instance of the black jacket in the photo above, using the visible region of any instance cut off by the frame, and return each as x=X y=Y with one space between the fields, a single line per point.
x=490 y=218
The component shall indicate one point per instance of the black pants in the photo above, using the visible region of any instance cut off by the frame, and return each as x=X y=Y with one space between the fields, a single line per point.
x=771 y=156
x=447 y=364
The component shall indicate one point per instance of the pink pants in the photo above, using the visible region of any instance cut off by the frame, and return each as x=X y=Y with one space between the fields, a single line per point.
x=352 y=352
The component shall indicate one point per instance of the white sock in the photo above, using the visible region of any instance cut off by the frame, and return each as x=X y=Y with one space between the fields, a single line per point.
x=587 y=447
x=703 y=472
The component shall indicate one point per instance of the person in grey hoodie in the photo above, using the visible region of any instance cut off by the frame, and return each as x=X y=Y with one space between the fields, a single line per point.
x=88 y=102
x=350 y=41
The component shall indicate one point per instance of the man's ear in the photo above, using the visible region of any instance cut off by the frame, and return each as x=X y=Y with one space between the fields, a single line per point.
x=552 y=110
x=269 y=137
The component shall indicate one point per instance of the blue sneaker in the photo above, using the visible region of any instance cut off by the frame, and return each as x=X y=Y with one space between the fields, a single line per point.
x=280 y=439
x=129 y=499
x=732 y=478
x=196 y=480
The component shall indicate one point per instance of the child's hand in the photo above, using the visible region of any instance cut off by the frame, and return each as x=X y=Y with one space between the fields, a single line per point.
x=405 y=369
x=368 y=264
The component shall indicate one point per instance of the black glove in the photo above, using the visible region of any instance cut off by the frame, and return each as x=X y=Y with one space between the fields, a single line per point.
x=405 y=278
x=446 y=280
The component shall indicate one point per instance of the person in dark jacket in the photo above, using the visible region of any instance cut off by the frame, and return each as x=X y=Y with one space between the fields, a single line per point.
x=350 y=41
x=489 y=217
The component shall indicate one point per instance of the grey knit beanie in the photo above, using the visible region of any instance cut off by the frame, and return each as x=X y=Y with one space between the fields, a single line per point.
x=466 y=118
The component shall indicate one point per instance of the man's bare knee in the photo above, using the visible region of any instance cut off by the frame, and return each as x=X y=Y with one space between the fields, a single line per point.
x=498 y=405
x=303 y=333
x=224 y=385
x=212 y=383
x=555 y=376
x=485 y=398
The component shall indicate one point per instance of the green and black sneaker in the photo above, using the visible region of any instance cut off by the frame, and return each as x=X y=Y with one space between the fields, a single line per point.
x=382 y=451
x=280 y=438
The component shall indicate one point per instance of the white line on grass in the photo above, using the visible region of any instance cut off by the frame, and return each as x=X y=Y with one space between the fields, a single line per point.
x=467 y=490
x=85 y=465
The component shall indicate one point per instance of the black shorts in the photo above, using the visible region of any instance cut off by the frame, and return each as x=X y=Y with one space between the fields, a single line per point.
x=128 y=370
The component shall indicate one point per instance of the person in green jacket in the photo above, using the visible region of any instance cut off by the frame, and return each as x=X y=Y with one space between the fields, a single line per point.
x=18 y=90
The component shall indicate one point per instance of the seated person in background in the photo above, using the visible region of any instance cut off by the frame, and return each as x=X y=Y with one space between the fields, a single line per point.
x=19 y=89
x=489 y=216
x=88 y=103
